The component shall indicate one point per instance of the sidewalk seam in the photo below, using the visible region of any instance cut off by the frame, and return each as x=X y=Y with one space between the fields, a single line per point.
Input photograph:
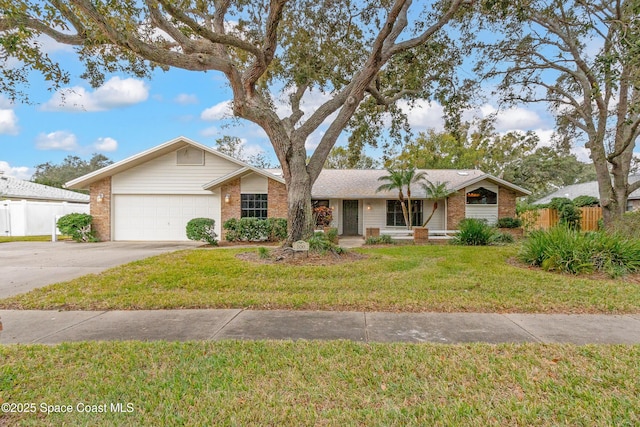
x=538 y=340
x=221 y=328
x=69 y=327
x=366 y=327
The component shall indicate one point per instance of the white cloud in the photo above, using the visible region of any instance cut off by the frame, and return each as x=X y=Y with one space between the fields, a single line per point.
x=58 y=140
x=217 y=112
x=582 y=154
x=8 y=122
x=210 y=131
x=5 y=103
x=105 y=144
x=424 y=115
x=20 y=172
x=115 y=93
x=185 y=99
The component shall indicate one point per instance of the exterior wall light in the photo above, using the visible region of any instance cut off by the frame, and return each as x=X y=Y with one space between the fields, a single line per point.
x=100 y=198
x=227 y=198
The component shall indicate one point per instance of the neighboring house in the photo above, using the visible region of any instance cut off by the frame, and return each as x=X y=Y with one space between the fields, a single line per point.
x=29 y=209
x=152 y=195
x=591 y=189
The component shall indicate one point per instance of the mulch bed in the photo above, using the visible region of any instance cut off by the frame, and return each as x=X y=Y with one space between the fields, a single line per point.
x=290 y=257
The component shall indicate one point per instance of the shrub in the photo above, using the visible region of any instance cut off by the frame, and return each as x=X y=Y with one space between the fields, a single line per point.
x=509 y=222
x=323 y=216
x=384 y=239
x=628 y=225
x=202 y=230
x=278 y=229
x=568 y=214
x=568 y=250
x=332 y=235
x=320 y=243
x=586 y=201
x=473 y=232
x=264 y=253
x=502 y=239
x=255 y=230
x=78 y=226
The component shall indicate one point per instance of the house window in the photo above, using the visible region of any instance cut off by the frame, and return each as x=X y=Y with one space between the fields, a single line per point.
x=190 y=156
x=395 y=218
x=253 y=206
x=482 y=196
x=318 y=203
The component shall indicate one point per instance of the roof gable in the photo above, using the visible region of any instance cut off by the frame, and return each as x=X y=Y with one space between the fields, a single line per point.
x=145 y=156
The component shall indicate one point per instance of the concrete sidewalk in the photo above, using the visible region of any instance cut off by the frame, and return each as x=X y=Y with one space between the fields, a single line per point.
x=50 y=327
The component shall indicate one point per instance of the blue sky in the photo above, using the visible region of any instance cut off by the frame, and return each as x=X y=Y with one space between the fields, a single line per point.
x=128 y=115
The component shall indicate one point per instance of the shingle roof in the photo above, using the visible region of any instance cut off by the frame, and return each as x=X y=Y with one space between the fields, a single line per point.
x=14 y=188
x=585 y=189
x=363 y=183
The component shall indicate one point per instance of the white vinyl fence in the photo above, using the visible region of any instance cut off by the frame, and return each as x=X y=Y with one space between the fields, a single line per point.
x=24 y=218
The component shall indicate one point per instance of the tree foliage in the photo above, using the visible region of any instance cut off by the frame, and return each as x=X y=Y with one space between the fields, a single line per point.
x=358 y=58
x=515 y=157
x=56 y=175
x=234 y=147
x=343 y=158
x=580 y=57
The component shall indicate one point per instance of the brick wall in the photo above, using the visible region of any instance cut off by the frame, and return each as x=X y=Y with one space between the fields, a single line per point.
x=456 y=209
x=506 y=203
x=277 y=202
x=101 y=210
x=231 y=209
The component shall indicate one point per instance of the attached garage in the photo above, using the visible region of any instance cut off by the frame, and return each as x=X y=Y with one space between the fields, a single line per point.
x=160 y=217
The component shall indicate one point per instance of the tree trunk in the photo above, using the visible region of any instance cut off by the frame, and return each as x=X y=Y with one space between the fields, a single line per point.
x=299 y=216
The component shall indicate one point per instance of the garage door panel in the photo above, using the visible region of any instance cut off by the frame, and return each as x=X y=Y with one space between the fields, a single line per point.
x=160 y=217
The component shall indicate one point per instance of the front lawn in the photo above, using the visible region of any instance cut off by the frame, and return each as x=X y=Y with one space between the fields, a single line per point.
x=47 y=238
x=319 y=383
x=406 y=278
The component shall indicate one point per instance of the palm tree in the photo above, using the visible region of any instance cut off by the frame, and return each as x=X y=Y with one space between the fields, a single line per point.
x=411 y=176
x=435 y=192
x=398 y=180
x=395 y=182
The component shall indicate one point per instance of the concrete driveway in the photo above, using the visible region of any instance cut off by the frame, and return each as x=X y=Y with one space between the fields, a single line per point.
x=28 y=265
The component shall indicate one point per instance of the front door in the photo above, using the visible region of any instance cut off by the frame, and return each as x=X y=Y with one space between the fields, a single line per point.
x=349 y=217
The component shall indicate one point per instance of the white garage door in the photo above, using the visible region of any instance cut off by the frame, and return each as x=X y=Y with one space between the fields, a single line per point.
x=160 y=217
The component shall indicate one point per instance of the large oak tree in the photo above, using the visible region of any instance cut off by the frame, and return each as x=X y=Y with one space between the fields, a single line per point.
x=268 y=50
x=582 y=58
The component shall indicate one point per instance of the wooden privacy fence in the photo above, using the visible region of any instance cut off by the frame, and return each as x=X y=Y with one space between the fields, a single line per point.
x=544 y=219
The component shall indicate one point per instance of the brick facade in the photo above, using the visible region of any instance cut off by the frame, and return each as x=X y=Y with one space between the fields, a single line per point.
x=232 y=208
x=456 y=209
x=101 y=209
x=506 y=203
x=276 y=201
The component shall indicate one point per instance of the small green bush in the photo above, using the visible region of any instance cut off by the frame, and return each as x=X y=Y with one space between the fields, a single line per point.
x=78 y=226
x=586 y=201
x=628 y=225
x=264 y=253
x=202 y=230
x=473 y=232
x=320 y=243
x=385 y=239
x=509 y=222
x=568 y=214
x=332 y=235
x=568 y=250
x=255 y=230
x=502 y=239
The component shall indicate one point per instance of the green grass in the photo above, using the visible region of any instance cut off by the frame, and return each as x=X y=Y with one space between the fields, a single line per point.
x=406 y=278
x=47 y=238
x=326 y=383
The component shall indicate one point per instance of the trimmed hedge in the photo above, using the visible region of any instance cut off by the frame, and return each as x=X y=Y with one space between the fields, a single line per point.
x=255 y=230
